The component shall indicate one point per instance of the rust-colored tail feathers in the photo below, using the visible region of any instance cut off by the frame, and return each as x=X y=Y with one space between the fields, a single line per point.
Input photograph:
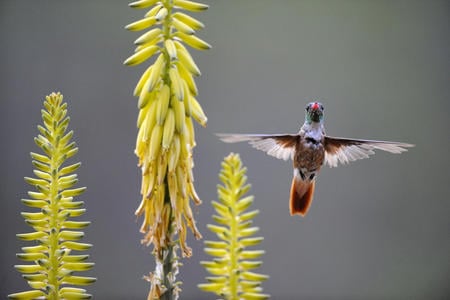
x=302 y=193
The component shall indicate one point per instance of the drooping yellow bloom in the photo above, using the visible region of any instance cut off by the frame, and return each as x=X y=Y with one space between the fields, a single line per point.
x=167 y=103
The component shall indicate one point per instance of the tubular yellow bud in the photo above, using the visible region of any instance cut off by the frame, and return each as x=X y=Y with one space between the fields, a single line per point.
x=169 y=129
x=162 y=105
x=155 y=74
x=141 y=82
x=161 y=14
x=141 y=56
x=151 y=182
x=155 y=9
x=161 y=170
x=186 y=59
x=193 y=193
x=142 y=3
x=182 y=27
x=177 y=84
x=145 y=96
x=142 y=114
x=178 y=108
x=190 y=5
x=174 y=152
x=148 y=36
x=172 y=182
x=181 y=182
x=188 y=79
x=188 y=20
x=171 y=50
x=197 y=112
x=190 y=131
x=149 y=122
x=155 y=142
x=141 y=24
x=187 y=103
x=193 y=41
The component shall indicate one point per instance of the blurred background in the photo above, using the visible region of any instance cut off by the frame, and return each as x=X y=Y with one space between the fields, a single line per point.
x=377 y=229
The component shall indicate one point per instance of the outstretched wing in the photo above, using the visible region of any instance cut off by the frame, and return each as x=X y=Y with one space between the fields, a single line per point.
x=344 y=150
x=281 y=146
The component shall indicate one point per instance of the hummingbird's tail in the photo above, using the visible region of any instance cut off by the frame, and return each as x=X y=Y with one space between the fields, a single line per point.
x=301 y=196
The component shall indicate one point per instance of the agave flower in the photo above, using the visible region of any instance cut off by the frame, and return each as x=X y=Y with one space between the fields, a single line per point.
x=167 y=106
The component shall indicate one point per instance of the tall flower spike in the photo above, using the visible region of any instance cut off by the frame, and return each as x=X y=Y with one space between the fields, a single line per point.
x=233 y=262
x=167 y=103
x=53 y=256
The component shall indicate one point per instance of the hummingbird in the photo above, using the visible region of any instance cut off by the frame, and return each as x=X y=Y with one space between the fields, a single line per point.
x=309 y=150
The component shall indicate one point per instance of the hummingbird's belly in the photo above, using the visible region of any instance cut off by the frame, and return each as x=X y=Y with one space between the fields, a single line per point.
x=308 y=159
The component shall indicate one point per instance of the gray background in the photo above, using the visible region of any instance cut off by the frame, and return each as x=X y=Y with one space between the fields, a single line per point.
x=377 y=229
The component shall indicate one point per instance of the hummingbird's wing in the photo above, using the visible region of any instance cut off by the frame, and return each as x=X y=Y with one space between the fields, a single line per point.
x=281 y=146
x=345 y=150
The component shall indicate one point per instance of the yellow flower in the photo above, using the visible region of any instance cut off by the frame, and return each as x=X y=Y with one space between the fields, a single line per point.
x=166 y=95
x=167 y=105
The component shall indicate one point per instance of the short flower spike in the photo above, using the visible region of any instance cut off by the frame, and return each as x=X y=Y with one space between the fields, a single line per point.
x=233 y=262
x=53 y=257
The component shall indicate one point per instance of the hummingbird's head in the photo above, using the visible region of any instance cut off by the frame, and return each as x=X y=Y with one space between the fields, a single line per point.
x=314 y=112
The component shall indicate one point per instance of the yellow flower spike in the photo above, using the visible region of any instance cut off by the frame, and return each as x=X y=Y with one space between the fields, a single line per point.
x=188 y=20
x=169 y=130
x=197 y=112
x=233 y=280
x=54 y=233
x=177 y=84
x=182 y=27
x=178 y=108
x=148 y=37
x=170 y=48
x=190 y=5
x=141 y=56
x=162 y=105
x=165 y=133
x=193 y=41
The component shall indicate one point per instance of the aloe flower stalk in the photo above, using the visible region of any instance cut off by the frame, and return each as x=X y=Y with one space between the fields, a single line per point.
x=167 y=106
x=54 y=254
x=233 y=261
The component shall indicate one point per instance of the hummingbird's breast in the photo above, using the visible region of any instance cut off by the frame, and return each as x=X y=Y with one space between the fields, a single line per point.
x=309 y=156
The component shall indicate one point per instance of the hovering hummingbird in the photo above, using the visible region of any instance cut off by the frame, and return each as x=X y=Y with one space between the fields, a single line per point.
x=309 y=149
